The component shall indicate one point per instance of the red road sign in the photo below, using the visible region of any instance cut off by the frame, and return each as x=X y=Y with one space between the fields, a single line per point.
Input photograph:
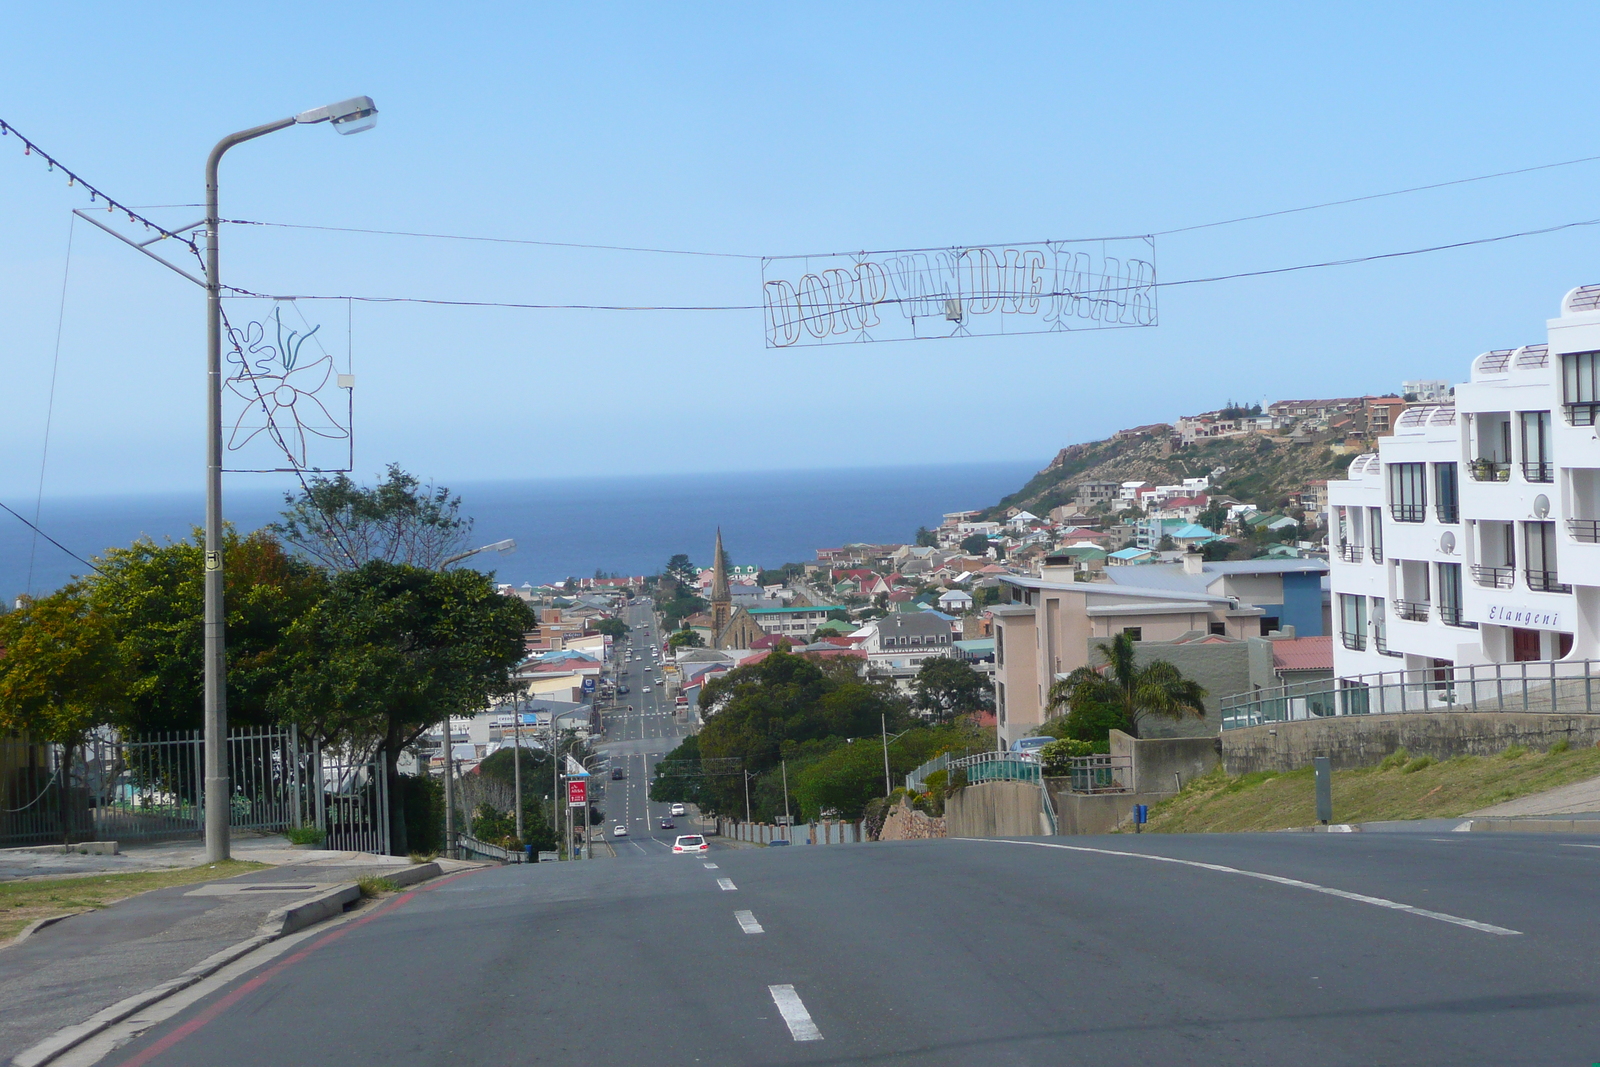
x=577 y=793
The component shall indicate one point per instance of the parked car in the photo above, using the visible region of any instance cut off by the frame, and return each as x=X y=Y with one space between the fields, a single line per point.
x=777 y=841
x=619 y=830
x=1028 y=747
x=692 y=844
x=678 y=809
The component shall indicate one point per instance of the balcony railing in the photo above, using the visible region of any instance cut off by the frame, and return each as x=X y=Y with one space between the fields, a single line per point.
x=1412 y=610
x=1450 y=615
x=1349 y=553
x=1355 y=642
x=1586 y=530
x=1494 y=577
x=1447 y=513
x=1582 y=414
x=1545 y=582
x=1408 y=512
x=1488 y=470
x=1539 y=472
x=1376 y=552
x=1380 y=642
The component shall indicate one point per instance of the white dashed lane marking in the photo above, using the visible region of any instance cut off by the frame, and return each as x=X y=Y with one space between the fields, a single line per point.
x=711 y=866
x=726 y=883
x=747 y=922
x=794 y=1013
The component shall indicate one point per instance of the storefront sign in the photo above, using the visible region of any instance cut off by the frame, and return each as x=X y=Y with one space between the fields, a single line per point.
x=1531 y=618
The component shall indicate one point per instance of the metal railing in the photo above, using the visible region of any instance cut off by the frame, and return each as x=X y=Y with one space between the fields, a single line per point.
x=917 y=779
x=1582 y=414
x=1545 y=582
x=1412 y=610
x=1451 y=615
x=1450 y=514
x=1100 y=774
x=1376 y=552
x=1488 y=470
x=998 y=767
x=1494 y=577
x=1353 y=640
x=1559 y=686
x=1349 y=553
x=1585 y=530
x=1409 y=512
x=1534 y=471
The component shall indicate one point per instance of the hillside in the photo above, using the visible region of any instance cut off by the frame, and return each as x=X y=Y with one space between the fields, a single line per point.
x=1262 y=470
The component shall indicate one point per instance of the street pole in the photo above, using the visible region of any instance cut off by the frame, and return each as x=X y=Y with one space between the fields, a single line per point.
x=349 y=116
x=788 y=822
x=449 y=796
x=883 y=721
x=746 y=796
x=516 y=763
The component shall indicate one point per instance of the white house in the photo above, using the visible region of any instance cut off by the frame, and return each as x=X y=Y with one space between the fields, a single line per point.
x=955 y=601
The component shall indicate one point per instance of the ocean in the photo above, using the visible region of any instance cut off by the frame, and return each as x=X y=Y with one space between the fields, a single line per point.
x=571 y=526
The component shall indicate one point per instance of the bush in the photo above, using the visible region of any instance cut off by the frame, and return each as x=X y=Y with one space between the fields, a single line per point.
x=1560 y=746
x=1398 y=758
x=1420 y=763
x=1055 y=758
x=305 y=835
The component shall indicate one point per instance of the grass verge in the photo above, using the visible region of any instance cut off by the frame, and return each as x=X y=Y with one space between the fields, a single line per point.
x=373 y=887
x=23 y=902
x=1398 y=788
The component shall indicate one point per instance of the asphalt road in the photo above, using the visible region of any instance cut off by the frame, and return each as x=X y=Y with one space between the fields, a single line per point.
x=1277 y=950
x=637 y=735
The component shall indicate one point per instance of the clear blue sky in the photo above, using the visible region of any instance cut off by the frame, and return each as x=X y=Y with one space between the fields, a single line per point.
x=769 y=129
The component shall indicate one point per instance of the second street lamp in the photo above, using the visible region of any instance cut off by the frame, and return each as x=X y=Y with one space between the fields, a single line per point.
x=347 y=116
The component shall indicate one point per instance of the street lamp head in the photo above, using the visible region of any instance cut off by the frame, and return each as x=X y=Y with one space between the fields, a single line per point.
x=347 y=116
x=508 y=545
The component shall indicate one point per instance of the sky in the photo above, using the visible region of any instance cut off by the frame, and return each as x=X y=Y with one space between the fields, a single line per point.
x=768 y=130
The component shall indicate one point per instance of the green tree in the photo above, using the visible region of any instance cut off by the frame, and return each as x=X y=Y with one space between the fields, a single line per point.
x=60 y=677
x=393 y=649
x=926 y=538
x=1125 y=695
x=343 y=525
x=686 y=639
x=152 y=597
x=612 y=627
x=976 y=545
x=680 y=568
x=946 y=687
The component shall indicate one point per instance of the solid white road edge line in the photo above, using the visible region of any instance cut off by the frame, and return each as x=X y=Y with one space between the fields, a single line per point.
x=1343 y=894
x=1569 y=844
x=794 y=1013
x=726 y=884
x=747 y=922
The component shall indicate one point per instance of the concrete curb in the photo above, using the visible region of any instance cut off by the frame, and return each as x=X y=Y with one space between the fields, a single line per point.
x=280 y=922
x=1534 y=825
x=35 y=926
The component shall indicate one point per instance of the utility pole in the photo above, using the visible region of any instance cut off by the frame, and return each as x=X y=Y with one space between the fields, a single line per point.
x=788 y=822
x=449 y=796
x=516 y=761
x=747 y=777
x=883 y=721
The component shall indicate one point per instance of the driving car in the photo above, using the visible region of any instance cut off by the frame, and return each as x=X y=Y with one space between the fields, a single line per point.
x=618 y=773
x=668 y=824
x=692 y=844
x=678 y=809
x=642 y=689
x=619 y=830
x=621 y=689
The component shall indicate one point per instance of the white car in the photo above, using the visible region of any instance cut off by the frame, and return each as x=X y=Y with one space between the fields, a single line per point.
x=642 y=689
x=692 y=844
x=619 y=830
x=678 y=809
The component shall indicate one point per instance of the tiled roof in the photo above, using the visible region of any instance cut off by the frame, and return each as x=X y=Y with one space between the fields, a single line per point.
x=1303 y=654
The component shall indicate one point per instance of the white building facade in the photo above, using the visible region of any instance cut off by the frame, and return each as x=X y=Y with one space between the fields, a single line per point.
x=1472 y=536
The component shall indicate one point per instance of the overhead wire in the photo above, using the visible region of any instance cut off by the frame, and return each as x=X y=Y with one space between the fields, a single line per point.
x=50 y=404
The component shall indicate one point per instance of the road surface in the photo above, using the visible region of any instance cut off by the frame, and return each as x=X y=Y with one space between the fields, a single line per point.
x=1274 y=949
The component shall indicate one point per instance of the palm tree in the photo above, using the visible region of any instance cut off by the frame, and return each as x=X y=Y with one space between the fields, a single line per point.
x=1123 y=694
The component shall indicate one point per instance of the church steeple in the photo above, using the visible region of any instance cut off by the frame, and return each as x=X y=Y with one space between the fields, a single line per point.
x=721 y=600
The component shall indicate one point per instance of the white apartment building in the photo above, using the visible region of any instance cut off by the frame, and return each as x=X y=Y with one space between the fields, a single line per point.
x=1472 y=536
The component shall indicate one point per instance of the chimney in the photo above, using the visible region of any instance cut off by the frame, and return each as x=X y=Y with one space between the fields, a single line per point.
x=1193 y=560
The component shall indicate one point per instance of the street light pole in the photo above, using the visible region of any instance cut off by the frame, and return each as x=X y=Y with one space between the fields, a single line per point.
x=349 y=116
x=883 y=722
x=516 y=762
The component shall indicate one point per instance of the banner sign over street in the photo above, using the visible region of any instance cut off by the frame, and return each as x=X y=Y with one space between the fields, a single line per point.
x=577 y=792
x=991 y=290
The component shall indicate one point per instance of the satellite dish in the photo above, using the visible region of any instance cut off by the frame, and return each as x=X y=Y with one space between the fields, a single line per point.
x=1447 y=543
x=1541 y=506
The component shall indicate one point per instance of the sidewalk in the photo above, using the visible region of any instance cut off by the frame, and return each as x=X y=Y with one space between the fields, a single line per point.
x=66 y=972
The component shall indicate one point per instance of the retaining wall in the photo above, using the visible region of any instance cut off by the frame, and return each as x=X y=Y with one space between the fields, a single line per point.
x=995 y=809
x=1362 y=740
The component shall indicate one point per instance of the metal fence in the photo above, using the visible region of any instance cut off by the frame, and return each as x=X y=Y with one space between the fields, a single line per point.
x=1100 y=774
x=917 y=779
x=998 y=767
x=151 y=788
x=1564 y=686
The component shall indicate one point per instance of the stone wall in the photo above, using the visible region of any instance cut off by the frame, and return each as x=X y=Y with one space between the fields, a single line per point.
x=1363 y=740
x=995 y=809
x=905 y=823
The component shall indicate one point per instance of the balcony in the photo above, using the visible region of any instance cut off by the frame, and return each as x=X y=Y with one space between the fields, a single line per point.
x=1494 y=577
x=1581 y=414
x=1487 y=470
x=1545 y=582
x=1408 y=512
x=1349 y=553
x=1539 y=472
x=1450 y=615
x=1355 y=642
x=1449 y=514
x=1412 y=610
x=1585 y=530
